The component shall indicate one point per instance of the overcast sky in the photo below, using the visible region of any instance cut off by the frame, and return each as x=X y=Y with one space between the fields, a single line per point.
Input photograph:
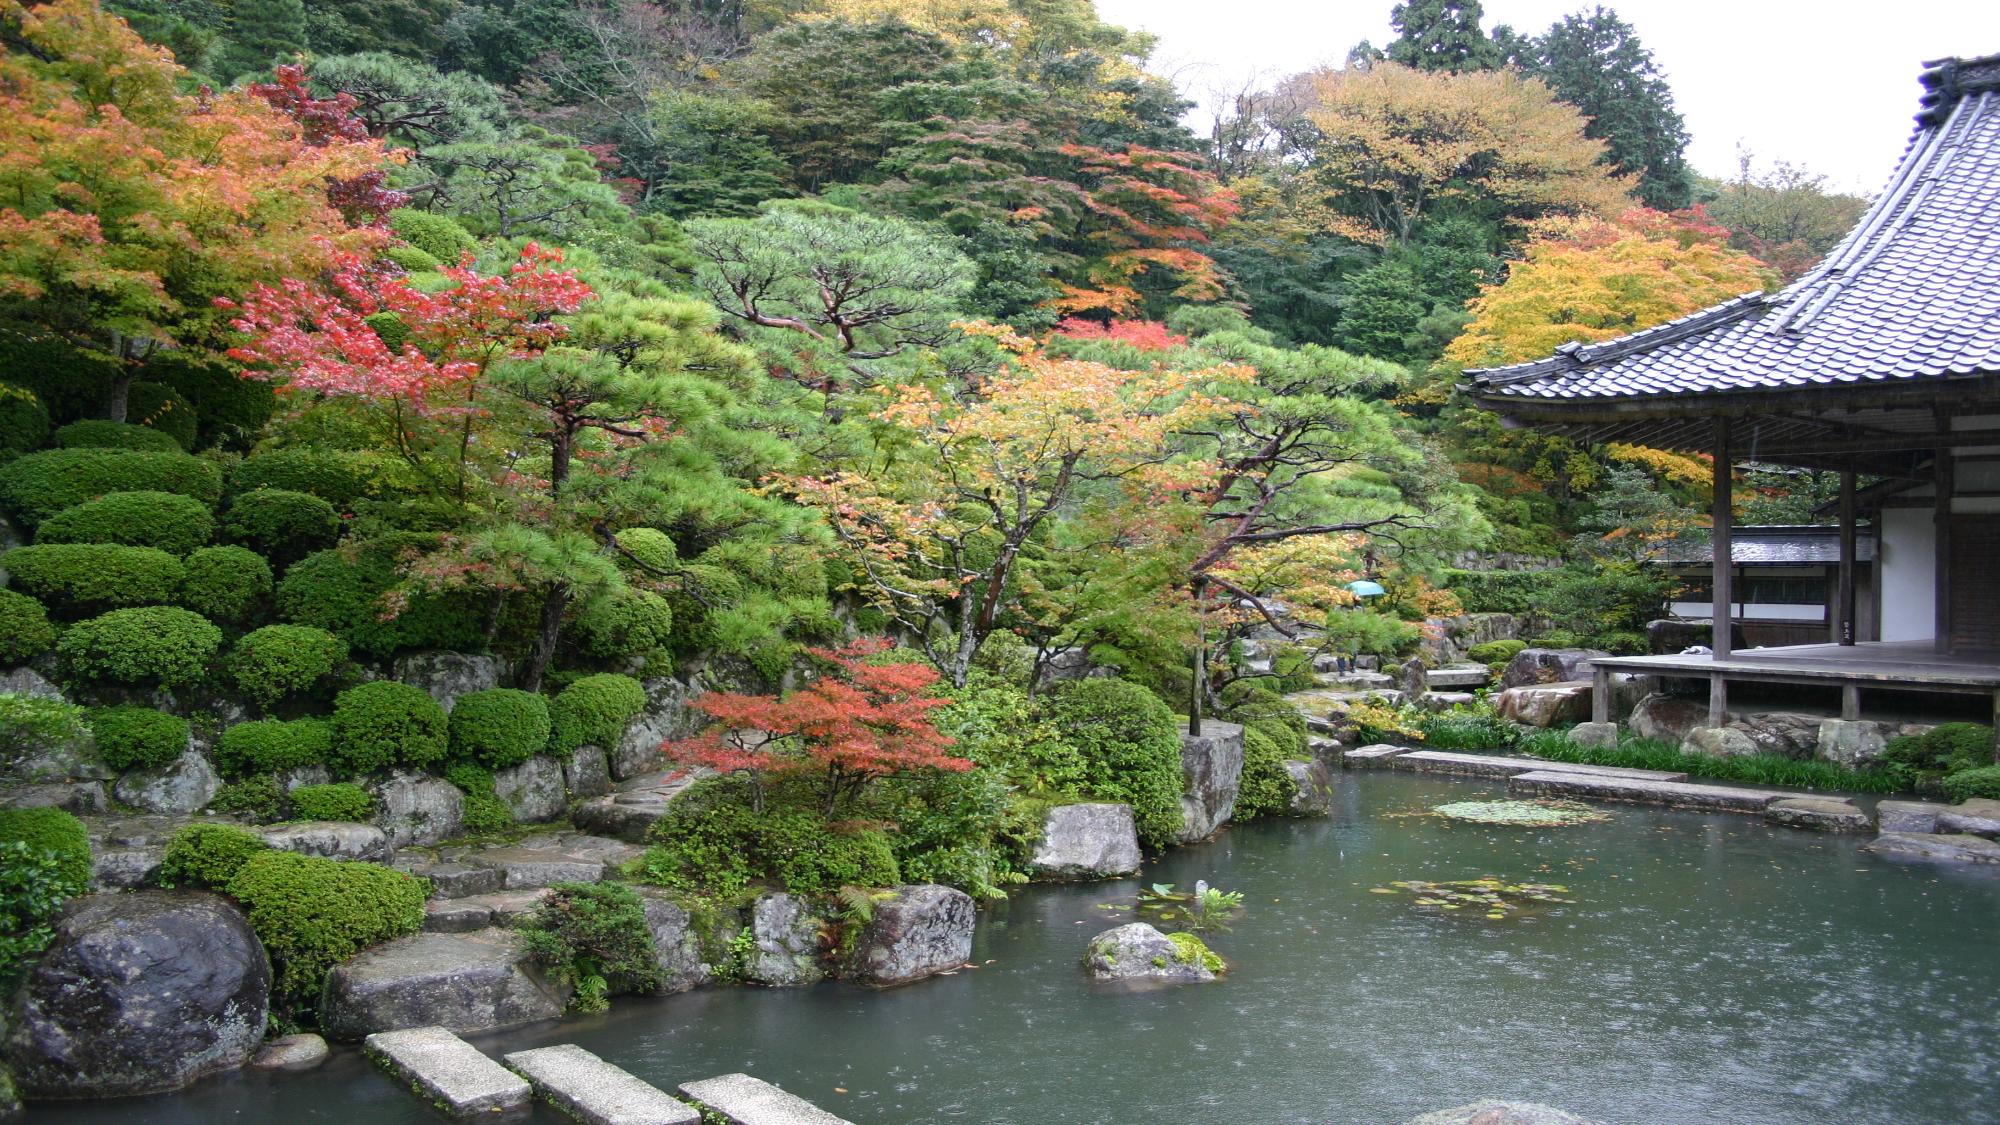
x=1829 y=84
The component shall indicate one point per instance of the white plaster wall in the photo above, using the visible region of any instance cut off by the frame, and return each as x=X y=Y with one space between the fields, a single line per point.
x=1908 y=568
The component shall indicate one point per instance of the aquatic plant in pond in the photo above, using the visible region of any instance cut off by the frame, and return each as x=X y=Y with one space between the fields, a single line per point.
x=1522 y=814
x=1490 y=897
x=1202 y=909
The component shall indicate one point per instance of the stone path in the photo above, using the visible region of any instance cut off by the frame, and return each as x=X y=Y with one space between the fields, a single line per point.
x=744 y=1100
x=594 y=1091
x=1493 y=765
x=448 y=1070
x=1678 y=794
x=637 y=803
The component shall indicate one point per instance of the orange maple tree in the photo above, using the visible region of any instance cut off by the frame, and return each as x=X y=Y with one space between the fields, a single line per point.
x=858 y=721
x=1147 y=214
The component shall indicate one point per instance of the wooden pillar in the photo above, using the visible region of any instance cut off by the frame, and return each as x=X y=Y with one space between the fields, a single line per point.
x=1846 y=628
x=1724 y=566
x=1850 y=701
x=1718 y=699
x=1600 y=694
x=1941 y=522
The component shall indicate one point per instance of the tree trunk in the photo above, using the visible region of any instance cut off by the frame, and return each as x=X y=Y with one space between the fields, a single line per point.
x=1200 y=690
x=548 y=632
x=120 y=397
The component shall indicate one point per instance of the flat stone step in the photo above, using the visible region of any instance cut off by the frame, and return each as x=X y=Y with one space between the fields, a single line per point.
x=1915 y=817
x=455 y=880
x=594 y=1091
x=1378 y=756
x=639 y=801
x=448 y=1070
x=1500 y=765
x=1460 y=675
x=1949 y=848
x=744 y=1100
x=1678 y=794
x=1821 y=814
x=1357 y=681
x=477 y=912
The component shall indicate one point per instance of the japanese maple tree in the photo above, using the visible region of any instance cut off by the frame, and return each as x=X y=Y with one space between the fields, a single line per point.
x=858 y=721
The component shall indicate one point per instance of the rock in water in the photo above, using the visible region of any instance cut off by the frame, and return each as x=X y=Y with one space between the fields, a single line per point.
x=923 y=931
x=787 y=942
x=1211 y=772
x=1492 y=1112
x=1086 y=841
x=1137 y=951
x=1312 y=789
x=140 y=993
x=676 y=944
x=303 y=1051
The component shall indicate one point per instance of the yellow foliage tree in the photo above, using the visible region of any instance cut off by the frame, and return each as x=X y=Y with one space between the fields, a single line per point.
x=1396 y=142
x=1589 y=280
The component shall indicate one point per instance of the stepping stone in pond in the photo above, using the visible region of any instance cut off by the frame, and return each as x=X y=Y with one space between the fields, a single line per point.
x=448 y=1070
x=1950 y=848
x=1824 y=814
x=1677 y=794
x=744 y=1100
x=594 y=1091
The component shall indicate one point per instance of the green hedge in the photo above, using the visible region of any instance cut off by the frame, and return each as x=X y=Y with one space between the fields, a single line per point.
x=272 y=745
x=711 y=842
x=100 y=433
x=151 y=644
x=499 y=727
x=209 y=855
x=623 y=625
x=228 y=584
x=340 y=801
x=55 y=833
x=25 y=632
x=37 y=486
x=279 y=660
x=384 y=724
x=1965 y=785
x=336 y=477
x=342 y=590
x=594 y=711
x=78 y=578
x=439 y=236
x=174 y=524
x=1130 y=750
x=257 y=799
x=314 y=913
x=132 y=738
x=281 y=524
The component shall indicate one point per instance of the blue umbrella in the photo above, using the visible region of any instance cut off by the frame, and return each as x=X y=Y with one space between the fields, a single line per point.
x=1363 y=588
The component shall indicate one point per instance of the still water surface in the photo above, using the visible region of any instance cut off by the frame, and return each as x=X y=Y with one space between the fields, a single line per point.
x=1711 y=969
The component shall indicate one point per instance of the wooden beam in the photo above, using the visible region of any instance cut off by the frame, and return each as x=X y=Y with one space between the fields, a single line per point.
x=1846 y=600
x=1722 y=520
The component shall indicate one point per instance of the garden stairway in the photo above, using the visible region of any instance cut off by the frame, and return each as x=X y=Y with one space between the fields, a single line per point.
x=457 y=1078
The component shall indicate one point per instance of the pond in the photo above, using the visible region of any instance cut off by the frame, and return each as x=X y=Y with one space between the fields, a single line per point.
x=1709 y=968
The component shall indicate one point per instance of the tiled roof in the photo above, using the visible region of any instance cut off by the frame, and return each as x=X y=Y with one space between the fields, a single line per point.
x=1912 y=293
x=1810 y=545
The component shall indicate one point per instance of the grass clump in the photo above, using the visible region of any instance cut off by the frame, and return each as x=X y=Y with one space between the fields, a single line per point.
x=1753 y=769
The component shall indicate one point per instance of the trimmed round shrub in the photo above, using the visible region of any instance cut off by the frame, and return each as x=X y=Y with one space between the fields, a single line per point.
x=54 y=833
x=25 y=632
x=131 y=738
x=37 y=486
x=623 y=624
x=272 y=745
x=412 y=260
x=258 y=799
x=75 y=578
x=594 y=711
x=226 y=583
x=209 y=855
x=101 y=433
x=340 y=801
x=649 y=547
x=174 y=524
x=1265 y=788
x=277 y=660
x=1966 y=785
x=337 y=477
x=280 y=524
x=1130 y=750
x=148 y=645
x=499 y=727
x=24 y=421
x=437 y=235
x=341 y=590
x=385 y=724
x=157 y=406
x=1495 y=652
x=314 y=913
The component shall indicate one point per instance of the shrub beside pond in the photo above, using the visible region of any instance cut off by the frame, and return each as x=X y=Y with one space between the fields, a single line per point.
x=314 y=913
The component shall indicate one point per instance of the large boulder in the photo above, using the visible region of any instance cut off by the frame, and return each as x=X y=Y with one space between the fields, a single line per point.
x=1138 y=952
x=331 y=839
x=1545 y=705
x=1548 y=666
x=786 y=942
x=924 y=930
x=72 y=796
x=667 y=716
x=1668 y=637
x=184 y=785
x=27 y=681
x=1666 y=718
x=445 y=676
x=1211 y=772
x=533 y=791
x=1312 y=788
x=586 y=773
x=61 y=757
x=634 y=804
x=1493 y=1112
x=414 y=808
x=1852 y=742
x=1788 y=734
x=139 y=993
x=472 y=982
x=1086 y=841
x=1977 y=817
x=676 y=943
x=1718 y=742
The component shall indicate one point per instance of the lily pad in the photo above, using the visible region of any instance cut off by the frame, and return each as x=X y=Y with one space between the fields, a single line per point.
x=1494 y=898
